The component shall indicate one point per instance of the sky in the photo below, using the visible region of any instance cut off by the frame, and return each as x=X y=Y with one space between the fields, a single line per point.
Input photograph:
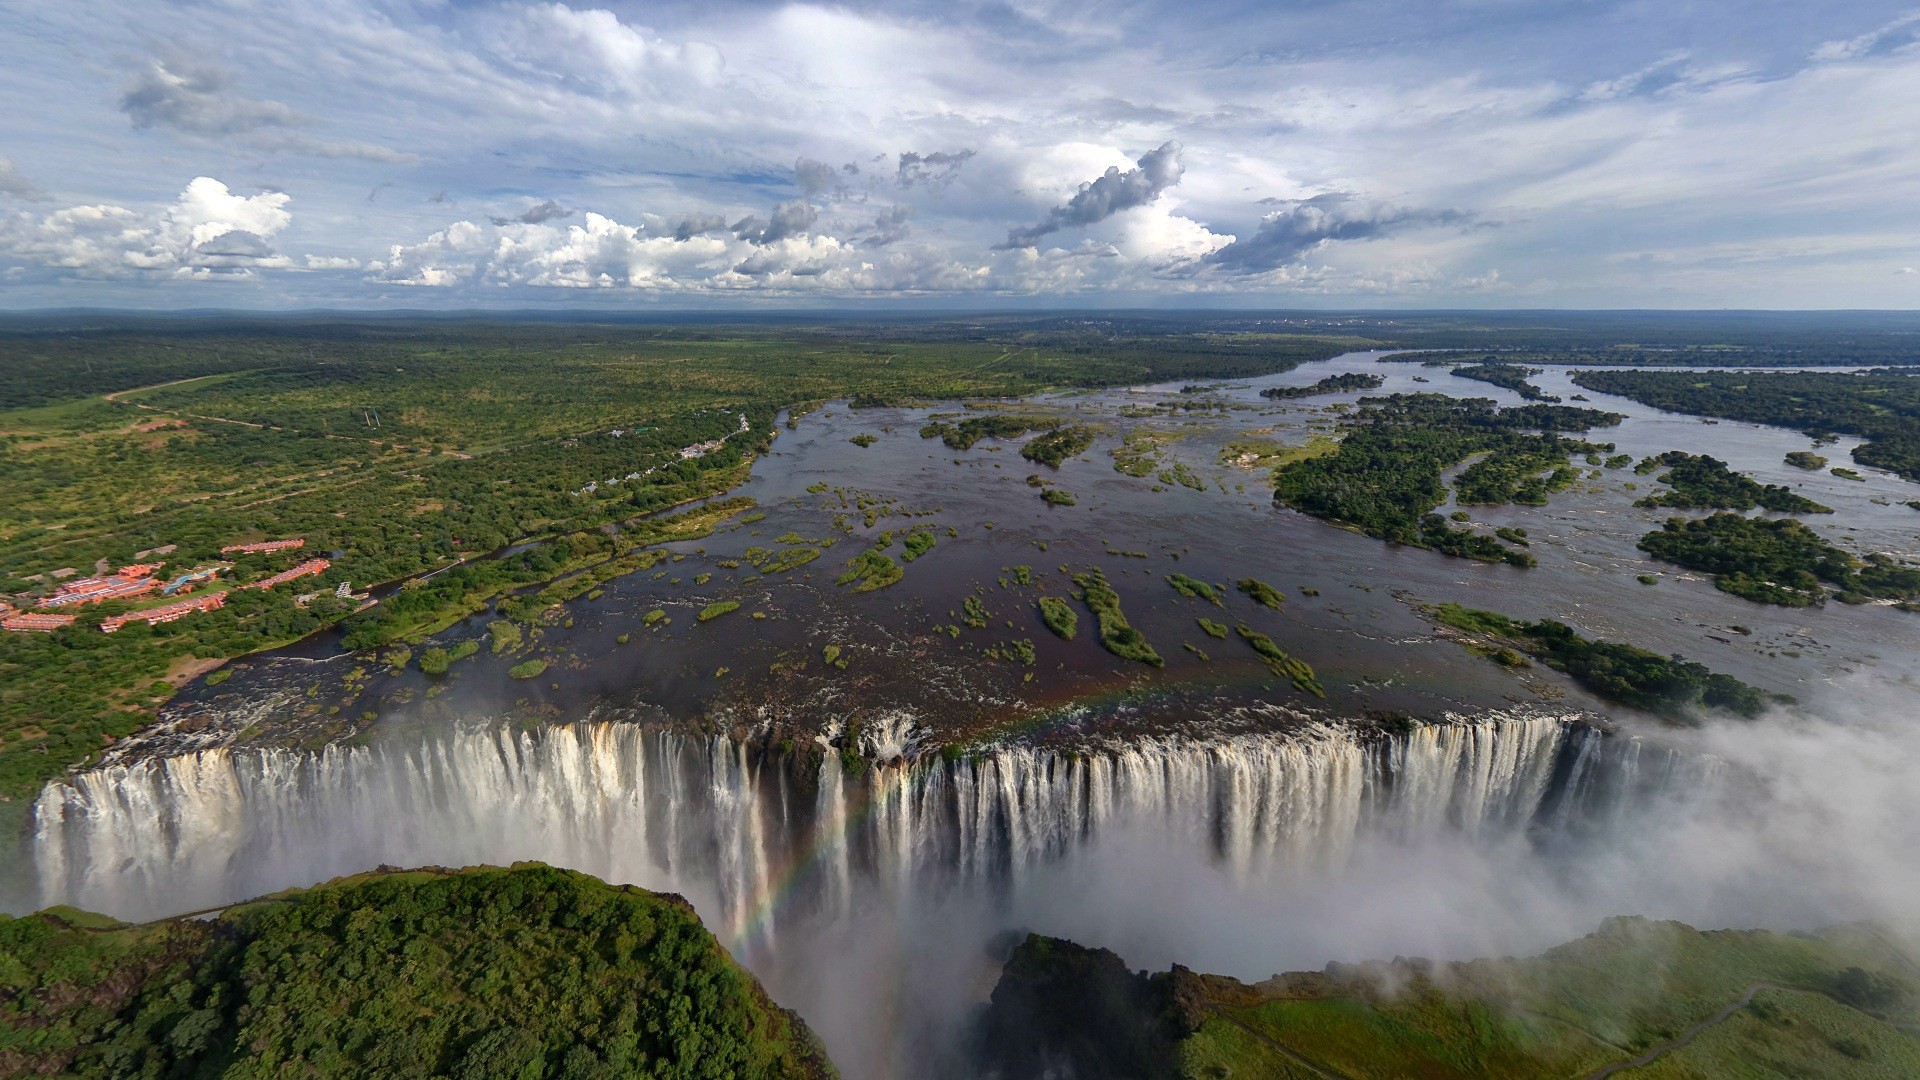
x=951 y=153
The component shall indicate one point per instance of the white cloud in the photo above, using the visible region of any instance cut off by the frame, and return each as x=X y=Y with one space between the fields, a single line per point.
x=208 y=231
x=1898 y=32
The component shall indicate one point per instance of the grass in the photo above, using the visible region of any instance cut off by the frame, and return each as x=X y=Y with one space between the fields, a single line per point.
x=529 y=669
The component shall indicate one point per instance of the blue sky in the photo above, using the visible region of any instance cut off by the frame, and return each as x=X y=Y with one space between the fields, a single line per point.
x=452 y=153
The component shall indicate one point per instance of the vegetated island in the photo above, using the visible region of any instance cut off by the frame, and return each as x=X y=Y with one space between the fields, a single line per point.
x=486 y=972
x=1384 y=478
x=1058 y=445
x=1780 y=561
x=1806 y=459
x=1120 y=637
x=1706 y=483
x=1836 y=1004
x=1670 y=686
x=1507 y=376
x=1882 y=407
x=1345 y=382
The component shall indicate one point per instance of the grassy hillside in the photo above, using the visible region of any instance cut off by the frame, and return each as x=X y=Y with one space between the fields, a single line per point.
x=1638 y=999
x=527 y=973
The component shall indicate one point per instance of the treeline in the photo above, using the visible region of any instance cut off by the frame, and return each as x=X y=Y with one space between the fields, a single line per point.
x=483 y=973
x=1881 y=407
x=1385 y=477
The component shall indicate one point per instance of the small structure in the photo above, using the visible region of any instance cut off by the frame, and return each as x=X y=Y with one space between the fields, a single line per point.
x=265 y=546
x=35 y=621
x=165 y=613
x=311 y=566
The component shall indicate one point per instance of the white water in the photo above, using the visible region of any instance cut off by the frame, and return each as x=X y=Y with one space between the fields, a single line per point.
x=708 y=818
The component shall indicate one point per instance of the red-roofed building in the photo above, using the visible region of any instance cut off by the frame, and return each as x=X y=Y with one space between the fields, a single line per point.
x=311 y=566
x=165 y=613
x=37 y=621
x=264 y=546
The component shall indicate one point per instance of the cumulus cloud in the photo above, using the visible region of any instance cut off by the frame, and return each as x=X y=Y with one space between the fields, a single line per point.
x=890 y=226
x=12 y=183
x=1298 y=226
x=1112 y=192
x=208 y=231
x=692 y=225
x=535 y=215
x=932 y=171
x=593 y=50
x=1907 y=270
x=789 y=219
x=815 y=177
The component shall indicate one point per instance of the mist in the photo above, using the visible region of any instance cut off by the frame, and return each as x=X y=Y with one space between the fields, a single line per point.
x=1809 y=822
x=1242 y=857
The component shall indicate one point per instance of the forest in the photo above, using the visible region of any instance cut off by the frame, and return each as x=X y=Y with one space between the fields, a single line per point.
x=1385 y=476
x=406 y=447
x=486 y=973
x=1881 y=407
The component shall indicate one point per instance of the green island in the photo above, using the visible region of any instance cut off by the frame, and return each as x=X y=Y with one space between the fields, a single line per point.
x=1670 y=686
x=1059 y=616
x=1118 y=635
x=1881 y=407
x=1779 y=561
x=1507 y=376
x=1345 y=382
x=1652 y=999
x=1280 y=662
x=967 y=433
x=1262 y=593
x=1385 y=478
x=1058 y=445
x=1806 y=459
x=716 y=609
x=482 y=973
x=1194 y=587
x=1706 y=483
x=870 y=570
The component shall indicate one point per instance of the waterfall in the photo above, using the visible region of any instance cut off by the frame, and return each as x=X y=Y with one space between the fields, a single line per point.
x=736 y=830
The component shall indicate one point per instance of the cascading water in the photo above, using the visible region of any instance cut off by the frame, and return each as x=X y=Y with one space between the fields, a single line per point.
x=737 y=832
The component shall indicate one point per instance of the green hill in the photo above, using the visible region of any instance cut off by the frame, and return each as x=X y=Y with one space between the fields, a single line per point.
x=527 y=973
x=1638 y=1000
